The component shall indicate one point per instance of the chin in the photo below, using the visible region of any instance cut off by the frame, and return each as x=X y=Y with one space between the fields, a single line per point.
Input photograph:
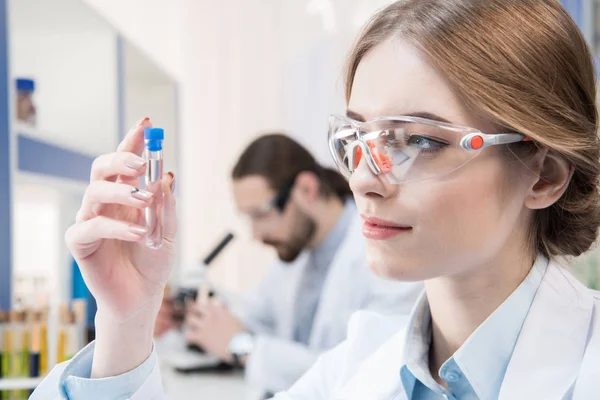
x=404 y=270
x=287 y=255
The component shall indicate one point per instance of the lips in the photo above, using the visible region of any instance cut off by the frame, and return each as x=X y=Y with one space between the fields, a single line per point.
x=379 y=229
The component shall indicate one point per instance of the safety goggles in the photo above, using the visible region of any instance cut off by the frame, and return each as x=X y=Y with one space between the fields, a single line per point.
x=277 y=203
x=407 y=149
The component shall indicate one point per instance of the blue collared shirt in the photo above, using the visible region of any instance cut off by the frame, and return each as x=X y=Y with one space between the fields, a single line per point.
x=477 y=369
x=75 y=382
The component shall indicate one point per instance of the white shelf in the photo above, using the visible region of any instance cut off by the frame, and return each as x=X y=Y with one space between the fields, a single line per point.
x=19 y=383
x=52 y=138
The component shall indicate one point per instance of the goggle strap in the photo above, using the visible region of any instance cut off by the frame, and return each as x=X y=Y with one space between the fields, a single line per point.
x=478 y=141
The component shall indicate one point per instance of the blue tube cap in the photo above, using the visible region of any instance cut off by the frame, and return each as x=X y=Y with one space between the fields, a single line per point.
x=154 y=138
x=25 y=85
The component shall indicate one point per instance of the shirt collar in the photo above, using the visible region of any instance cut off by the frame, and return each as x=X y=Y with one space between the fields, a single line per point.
x=334 y=238
x=484 y=357
x=416 y=348
x=494 y=341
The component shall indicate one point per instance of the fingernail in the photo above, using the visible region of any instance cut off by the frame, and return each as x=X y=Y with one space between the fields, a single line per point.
x=140 y=194
x=141 y=121
x=138 y=230
x=136 y=163
x=172 y=181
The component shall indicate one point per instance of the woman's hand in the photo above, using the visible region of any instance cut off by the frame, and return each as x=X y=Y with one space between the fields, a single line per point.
x=126 y=277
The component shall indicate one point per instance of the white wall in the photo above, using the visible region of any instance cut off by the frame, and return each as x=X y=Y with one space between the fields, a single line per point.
x=152 y=25
x=244 y=67
x=71 y=54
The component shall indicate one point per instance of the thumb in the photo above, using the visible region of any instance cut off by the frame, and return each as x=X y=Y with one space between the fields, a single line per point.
x=170 y=209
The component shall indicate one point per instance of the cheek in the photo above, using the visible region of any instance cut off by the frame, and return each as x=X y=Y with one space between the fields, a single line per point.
x=287 y=223
x=281 y=232
x=458 y=222
x=276 y=230
x=466 y=219
x=460 y=215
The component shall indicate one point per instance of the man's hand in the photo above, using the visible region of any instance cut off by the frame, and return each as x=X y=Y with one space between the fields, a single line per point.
x=211 y=326
x=165 y=319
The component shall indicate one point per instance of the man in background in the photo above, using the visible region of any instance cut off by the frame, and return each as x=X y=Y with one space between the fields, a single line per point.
x=302 y=307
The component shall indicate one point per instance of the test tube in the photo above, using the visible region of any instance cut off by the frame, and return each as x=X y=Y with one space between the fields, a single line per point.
x=35 y=351
x=63 y=335
x=44 y=341
x=153 y=184
x=7 y=357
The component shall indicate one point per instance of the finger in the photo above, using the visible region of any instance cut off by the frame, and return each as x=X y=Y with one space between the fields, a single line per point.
x=203 y=297
x=190 y=314
x=164 y=323
x=194 y=324
x=166 y=308
x=159 y=329
x=134 y=139
x=170 y=209
x=188 y=304
x=217 y=303
x=167 y=302
x=104 y=192
x=177 y=307
x=164 y=320
x=207 y=311
x=193 y=314
x=199 y=324
x=192 y=337
x=82 y=237
x=163 y=326
x=109 y=166
x=169 y=183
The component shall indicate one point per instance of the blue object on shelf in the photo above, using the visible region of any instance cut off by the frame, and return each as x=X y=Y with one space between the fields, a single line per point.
x=81 y=291
x=25 y=85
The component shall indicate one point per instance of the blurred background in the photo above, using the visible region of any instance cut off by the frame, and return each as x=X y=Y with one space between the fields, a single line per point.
x=76 y=74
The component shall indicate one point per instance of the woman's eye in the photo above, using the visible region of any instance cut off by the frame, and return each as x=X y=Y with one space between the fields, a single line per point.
x=425 y=143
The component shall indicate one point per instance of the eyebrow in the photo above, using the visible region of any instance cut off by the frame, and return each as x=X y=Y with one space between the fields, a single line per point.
x=420 y=114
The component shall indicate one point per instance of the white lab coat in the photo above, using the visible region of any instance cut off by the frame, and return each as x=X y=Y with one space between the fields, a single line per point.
x=556 y=357
x=277 y=361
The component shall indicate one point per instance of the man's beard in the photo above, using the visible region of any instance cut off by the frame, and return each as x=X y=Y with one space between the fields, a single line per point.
x=303 y=232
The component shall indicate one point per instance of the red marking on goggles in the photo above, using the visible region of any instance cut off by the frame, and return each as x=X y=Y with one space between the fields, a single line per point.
x=383 y=162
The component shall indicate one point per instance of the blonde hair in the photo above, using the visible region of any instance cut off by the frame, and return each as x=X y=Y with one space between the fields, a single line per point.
x=525 y=65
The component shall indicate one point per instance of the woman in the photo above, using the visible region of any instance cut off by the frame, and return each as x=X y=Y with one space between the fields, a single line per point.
x=481 y=214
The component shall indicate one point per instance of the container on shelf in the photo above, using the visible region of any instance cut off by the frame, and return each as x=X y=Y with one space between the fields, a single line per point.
x=25 y=107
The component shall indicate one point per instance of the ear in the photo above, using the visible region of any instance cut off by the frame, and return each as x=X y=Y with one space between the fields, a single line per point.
x=555 y=173
x=306 y=188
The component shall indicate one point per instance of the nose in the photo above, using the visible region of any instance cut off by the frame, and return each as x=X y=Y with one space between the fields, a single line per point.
x=365 y=183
